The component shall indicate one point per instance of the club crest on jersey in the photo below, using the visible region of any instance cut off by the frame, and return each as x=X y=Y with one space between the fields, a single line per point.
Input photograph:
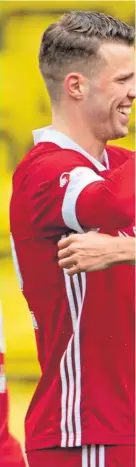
x=64 y=178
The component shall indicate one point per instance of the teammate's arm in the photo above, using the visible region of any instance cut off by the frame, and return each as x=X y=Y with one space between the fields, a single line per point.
x=92 y=251
x=85 y=201
x=105 y=204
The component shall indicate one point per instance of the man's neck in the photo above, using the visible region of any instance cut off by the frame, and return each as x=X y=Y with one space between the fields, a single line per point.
x=80 y=135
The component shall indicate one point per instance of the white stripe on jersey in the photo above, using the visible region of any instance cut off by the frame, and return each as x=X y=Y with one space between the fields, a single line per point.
x=71 y=395
x=63 y=402
x=78 y=366
x=15 y=261
x=80 y=177
x=68 y=356
x=77 y=288
x=35 y=325
x=122 y=234
x=2 y=383
x=83 y=280
x=70 y=298
x=73 y=385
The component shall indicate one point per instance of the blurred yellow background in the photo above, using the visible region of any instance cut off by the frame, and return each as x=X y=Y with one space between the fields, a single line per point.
x=25 y=105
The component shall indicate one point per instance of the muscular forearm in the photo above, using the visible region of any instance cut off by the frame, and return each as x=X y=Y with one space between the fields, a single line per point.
x=124 y=250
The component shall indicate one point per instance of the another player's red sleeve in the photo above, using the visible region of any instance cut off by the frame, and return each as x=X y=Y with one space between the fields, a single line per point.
x=109 y=203
x=84 y=200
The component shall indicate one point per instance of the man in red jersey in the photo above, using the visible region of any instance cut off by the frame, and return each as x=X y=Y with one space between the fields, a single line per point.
x=81 y=414
x=10 y=450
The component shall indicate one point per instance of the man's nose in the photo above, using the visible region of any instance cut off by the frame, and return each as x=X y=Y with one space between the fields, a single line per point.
x=132 y=92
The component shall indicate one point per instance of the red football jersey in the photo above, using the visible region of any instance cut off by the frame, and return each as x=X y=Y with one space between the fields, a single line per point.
x=84 y=325
x=10 y=450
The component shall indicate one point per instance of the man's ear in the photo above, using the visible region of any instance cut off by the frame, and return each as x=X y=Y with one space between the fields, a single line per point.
x=75 y=85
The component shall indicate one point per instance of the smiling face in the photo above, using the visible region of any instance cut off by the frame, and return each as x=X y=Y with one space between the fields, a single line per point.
x=103 y=97
x=108 y=96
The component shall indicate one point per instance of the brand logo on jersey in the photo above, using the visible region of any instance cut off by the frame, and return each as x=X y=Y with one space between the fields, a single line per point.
x=64 y=178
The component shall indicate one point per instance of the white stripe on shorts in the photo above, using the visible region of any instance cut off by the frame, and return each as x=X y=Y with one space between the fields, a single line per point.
x=101 y=456
x=92 y=455
x=93 y=460
x=84 y=456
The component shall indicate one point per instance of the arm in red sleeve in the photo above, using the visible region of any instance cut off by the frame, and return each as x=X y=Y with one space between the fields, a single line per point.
x=85 y=201
x=108 y=203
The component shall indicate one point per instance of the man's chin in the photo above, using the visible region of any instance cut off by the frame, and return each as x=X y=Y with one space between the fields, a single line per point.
x=120 y=133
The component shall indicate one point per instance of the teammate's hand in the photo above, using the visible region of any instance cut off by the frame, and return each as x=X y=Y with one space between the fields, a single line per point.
x=86 y=252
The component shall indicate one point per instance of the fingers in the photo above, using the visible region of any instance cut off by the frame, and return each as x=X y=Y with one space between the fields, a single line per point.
x=66 y=256
x=65 y=253
x=74 y=270
x=68 y=264
x=65 y=242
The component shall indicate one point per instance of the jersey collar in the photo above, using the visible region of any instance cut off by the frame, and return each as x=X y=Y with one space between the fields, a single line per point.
x=50 y=135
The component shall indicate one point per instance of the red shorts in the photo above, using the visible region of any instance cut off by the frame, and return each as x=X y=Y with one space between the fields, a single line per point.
x=87 y=456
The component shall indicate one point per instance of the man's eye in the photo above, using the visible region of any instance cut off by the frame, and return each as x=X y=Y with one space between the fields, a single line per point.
x=122 y=80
